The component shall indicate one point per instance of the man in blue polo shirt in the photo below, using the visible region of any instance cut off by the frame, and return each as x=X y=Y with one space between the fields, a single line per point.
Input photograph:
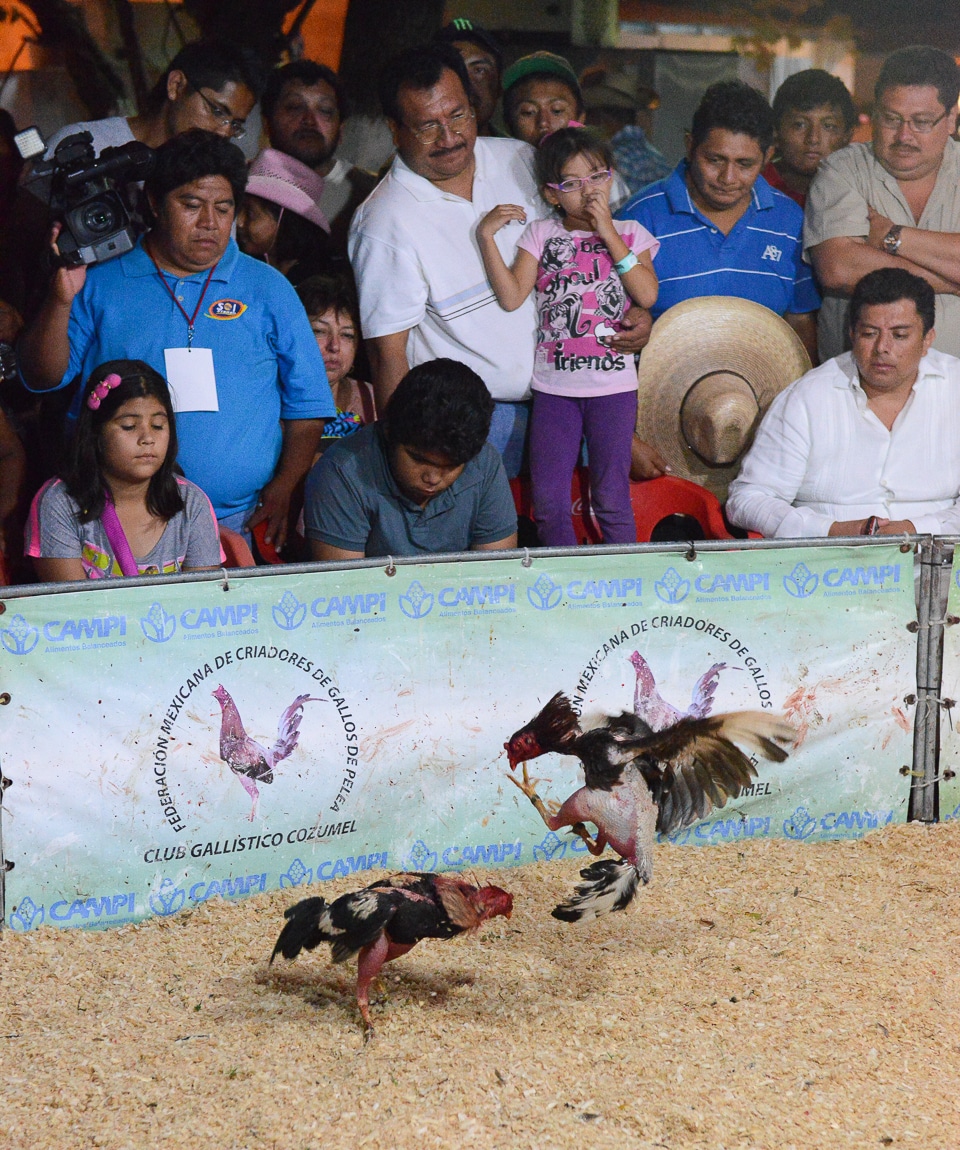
x=722 y=229
x=228 y=332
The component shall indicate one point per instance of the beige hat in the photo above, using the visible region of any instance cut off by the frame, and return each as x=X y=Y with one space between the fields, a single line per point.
x=710 y=371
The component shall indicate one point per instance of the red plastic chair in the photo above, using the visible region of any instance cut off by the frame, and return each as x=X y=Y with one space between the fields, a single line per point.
x=235 y=548
x=585 y=526
x=656 y=499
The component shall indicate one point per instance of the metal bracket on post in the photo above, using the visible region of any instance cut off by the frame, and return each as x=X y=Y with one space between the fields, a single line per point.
x=935 y=558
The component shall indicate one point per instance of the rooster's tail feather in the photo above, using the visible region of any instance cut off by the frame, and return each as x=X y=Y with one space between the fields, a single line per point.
x=610 y=886
x=303 y=930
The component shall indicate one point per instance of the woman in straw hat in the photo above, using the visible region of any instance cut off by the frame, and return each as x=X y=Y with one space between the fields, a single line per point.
x=280 y=220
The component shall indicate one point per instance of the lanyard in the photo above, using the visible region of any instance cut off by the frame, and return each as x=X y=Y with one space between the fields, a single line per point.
x=191 y=319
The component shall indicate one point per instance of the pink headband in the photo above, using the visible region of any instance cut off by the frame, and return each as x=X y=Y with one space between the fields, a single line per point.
x=102 y=390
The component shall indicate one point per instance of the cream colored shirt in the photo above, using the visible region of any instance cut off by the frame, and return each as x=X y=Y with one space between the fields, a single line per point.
x=846 y=184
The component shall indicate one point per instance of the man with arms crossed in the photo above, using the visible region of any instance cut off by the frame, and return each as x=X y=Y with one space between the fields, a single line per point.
x=895 y=202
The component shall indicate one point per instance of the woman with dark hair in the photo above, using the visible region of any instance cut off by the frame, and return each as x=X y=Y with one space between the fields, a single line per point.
x=334 y=313
x=120 y=507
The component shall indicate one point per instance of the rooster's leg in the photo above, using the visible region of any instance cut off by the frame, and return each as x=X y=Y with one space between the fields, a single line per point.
x=251 y=788
x=369 y=962
x=554 y=822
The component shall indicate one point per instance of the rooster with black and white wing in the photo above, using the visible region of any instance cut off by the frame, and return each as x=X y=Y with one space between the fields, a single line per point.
x=638 y=783
x=388 y=918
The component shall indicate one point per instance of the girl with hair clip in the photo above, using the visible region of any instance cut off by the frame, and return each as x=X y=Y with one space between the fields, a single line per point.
x=121 y=508
x=586 y=269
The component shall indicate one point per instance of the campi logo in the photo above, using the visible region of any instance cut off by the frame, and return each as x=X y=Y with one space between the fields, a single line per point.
x=544 y=595
x=297 y=875
x=421 y=858
x=741 y=583
x=482 y=596
x=208 y=618
x=879 y=576
x=600 y=589
x=168 y=898
x=416 y=603
x=800 y=825
x=157 y=625
x=26 y=915
x=289 y=613
x=19 y=637
x=801 y=582
x=73 y=630
x=349 y=606
x=672 y=587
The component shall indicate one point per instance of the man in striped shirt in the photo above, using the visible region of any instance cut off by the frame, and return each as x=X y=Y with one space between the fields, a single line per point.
x=722 y=229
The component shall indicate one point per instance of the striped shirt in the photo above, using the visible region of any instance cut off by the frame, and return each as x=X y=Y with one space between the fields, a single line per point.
x=759 y=260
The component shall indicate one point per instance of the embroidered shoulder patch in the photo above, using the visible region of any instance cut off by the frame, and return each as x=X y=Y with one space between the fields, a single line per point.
x=226 y=309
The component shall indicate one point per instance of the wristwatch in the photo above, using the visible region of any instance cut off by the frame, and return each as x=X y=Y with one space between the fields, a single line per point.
x=891 y=241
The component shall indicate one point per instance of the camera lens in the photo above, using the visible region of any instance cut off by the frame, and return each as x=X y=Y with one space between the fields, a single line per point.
x=99 y=217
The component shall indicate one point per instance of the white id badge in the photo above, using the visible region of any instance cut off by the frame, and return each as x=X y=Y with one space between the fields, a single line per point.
x=193 y=386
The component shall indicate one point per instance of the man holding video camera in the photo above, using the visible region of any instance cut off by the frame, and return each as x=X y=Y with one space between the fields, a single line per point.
x=228 y=332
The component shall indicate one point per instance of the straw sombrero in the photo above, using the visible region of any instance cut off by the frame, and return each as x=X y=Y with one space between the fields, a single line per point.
x=710 y=371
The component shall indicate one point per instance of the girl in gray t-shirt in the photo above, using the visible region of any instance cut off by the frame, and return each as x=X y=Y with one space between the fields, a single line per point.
x=120 y=508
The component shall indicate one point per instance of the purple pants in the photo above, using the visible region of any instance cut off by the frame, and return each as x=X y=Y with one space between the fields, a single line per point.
x=557 y=424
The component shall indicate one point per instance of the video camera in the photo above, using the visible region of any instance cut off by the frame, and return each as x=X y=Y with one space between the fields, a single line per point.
x=86 y=193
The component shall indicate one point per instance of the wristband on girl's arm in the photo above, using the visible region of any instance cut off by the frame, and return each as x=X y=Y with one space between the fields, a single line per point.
x=629 y=261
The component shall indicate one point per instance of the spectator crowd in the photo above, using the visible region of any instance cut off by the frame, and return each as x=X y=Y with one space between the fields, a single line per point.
x=334 y=364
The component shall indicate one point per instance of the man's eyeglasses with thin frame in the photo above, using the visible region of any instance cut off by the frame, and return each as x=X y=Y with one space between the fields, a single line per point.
x=921 y=125
x=575 y=183
x=456 y=124
x=238 y=128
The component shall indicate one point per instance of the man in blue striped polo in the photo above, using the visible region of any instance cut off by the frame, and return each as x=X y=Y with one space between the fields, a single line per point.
x=722 y=229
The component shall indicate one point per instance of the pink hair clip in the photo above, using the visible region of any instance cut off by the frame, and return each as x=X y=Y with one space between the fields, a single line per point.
x=102 y=390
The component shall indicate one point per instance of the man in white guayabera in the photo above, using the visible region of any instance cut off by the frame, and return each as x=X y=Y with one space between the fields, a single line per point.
x=869 y=442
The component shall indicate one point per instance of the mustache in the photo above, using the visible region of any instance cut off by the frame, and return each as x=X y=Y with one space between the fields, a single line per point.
x=437 y=152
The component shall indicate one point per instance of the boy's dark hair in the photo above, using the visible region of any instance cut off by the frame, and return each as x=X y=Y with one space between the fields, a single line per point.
x=211 y=64
x=735 y=107
x=191 y=156
x=813 y=88
x=512 y=97
x=420 y=69
x=336 y=290
x=440 y=406
x=560 y=146
x=306 y=72
x=83 y=476
x=889 y=285
x=920 y=67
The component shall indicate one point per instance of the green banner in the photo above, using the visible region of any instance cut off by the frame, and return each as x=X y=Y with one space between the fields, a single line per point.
x=169 y=744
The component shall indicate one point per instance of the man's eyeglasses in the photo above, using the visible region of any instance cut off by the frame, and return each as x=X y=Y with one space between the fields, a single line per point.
x=919 y=124
x=575 y=183
x=237 y=128
x=456 y=124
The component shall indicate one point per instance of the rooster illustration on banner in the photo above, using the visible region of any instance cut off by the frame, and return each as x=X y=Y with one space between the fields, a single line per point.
x=249 y=761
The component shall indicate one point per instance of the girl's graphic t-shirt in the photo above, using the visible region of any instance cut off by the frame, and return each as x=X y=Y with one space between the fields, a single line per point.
x=579 y=299
x=54 y=531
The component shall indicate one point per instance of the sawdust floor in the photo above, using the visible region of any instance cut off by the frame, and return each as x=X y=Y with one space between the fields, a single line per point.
x=769 y=994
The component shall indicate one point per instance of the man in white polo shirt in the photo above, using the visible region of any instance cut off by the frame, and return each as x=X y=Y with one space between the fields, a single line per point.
x=423 y=291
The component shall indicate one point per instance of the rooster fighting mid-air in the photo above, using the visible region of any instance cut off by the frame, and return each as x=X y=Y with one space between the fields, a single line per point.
x=386 y=919
x=248 y=760
x=639 y=782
